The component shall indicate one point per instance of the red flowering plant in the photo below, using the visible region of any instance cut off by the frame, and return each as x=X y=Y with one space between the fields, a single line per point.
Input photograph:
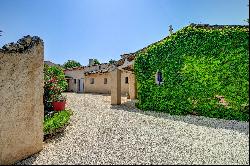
x=55 y=90
x=54 y=85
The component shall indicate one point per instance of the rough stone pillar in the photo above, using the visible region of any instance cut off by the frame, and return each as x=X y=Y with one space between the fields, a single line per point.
x=21 y=101
x=116 y=87
x=132 y=86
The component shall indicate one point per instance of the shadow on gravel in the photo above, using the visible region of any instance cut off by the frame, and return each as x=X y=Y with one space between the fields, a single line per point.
x=54 y=138
x=81 y=93
x=96 y=94
x=242 y=127
x=28 y=161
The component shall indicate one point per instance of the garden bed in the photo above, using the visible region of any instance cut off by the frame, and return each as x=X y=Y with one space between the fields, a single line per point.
x=56 y=123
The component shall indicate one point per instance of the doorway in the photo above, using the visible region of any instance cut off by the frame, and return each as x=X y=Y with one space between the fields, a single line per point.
x=80 y=85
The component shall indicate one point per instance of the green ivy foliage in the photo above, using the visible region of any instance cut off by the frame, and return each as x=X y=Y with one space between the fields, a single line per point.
x=198 y=64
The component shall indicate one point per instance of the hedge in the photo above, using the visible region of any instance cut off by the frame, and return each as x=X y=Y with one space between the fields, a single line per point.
x=205 y=72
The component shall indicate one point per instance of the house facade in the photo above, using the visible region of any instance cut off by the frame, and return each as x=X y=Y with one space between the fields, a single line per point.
x=95 y=78
x=75 y=78
x=100 y=82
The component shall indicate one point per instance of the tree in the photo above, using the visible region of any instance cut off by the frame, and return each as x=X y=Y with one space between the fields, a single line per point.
x=71 y=63
x=96 y=62
x=111 y=61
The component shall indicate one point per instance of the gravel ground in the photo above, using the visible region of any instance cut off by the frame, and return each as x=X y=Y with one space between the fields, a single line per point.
x=103 y=134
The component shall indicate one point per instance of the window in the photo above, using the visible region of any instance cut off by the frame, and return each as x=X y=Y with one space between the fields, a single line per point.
x=99 y=67
x=105 y=80
x=159 y=79
x=92 y=81
x=74 y=81
x=126 y=80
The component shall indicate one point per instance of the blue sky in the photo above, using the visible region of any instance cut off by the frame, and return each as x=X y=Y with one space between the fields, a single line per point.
x=105 y=29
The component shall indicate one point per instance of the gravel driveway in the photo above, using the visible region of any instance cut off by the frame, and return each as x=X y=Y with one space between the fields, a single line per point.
x=103 y=134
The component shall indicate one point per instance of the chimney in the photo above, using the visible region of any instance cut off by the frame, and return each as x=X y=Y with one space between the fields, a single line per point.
x=91 y=62
x=170 y=29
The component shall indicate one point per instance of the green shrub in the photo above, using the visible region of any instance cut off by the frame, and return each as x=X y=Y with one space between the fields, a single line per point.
x=58 y=120
x=198 y=65
x=54 y=85
x=54 y=72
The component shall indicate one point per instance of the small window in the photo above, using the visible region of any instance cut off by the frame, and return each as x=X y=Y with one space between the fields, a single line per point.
x=126 y=80
x=105 y=80
x=74 y=81
x=92 y=81
x=159 y=78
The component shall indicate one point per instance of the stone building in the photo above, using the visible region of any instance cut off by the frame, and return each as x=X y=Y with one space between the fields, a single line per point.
x=94 y=78
x=74 y=77
x=127 y=61
x=124 y=65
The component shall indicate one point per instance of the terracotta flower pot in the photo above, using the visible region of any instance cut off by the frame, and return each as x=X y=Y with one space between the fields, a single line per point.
x=58 y=105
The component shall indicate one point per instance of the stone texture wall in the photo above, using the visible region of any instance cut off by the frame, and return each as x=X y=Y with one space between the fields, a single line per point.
x=21 y=101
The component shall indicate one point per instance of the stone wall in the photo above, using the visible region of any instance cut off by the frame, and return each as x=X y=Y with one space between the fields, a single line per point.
x=21 y=101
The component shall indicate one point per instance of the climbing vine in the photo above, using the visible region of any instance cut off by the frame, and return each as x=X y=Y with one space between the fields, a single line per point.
x=205 y=72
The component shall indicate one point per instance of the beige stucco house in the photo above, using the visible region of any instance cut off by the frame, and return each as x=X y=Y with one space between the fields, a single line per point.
x=100 y=81
x=74 y=77
x=95 y=78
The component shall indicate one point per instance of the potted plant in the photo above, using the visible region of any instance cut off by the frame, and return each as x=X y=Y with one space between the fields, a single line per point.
x=54 y=85
x=58 y=102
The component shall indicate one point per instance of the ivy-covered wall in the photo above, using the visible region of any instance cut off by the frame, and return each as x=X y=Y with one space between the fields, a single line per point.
x=205 y=72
